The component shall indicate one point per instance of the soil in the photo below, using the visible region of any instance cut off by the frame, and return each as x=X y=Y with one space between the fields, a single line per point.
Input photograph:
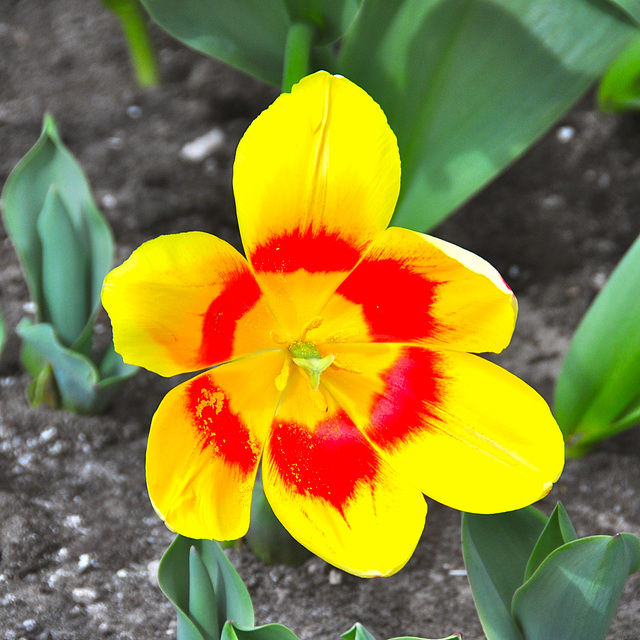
x=79 y=540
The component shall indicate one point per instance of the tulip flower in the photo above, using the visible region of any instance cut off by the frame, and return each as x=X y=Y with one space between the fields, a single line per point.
x=339 y=354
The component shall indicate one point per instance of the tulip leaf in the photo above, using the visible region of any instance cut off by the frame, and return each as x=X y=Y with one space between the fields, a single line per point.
x=575 y=591
x=558 y=531
x=250 y=34
x=50 y=164
x=630 y=7
x=598 y=390
x=469 y=85
x=359 y=632
x=496 y=551
x=64 y=270
x=267 y=538
x=231 y=631
x=76 y=377
x=620 y=86
x=199 y=580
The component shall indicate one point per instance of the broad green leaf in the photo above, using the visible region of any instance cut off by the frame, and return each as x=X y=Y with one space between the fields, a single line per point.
x=180 y=574
x=599 y=383
x=64 y=270
x=77 y=379
x=575 y=591
x=359 y=632
x=49 y=163
x=232 y=631
x=469 y=85
x=630 y=7
x=250 y=34
x=558 y=531
x=620 y=87
x=496 y=550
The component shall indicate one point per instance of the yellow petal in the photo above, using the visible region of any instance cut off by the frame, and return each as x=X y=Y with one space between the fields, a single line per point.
x=205 y=444
x=185 y=302
x=334 y=493
x=316 y=177
x=414 y=288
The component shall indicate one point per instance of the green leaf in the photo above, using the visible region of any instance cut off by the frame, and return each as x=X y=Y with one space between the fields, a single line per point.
x=232 y=631
x=620 y=87
x=250 y=34
x=185 y=566
x=630 y=7
x=496 y=550
x=557 y=531
x=267 y=538
x=64 y=270
x=599 y=383
x=469 y=85
x=49 y=163
x=358 y=632
x=575 y=591
x=77 y=378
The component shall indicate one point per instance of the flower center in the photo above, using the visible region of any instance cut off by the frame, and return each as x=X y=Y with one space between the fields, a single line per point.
x=307 y=357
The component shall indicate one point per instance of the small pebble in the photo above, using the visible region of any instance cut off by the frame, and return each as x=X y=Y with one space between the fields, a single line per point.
x=84 y=595
x=115 y=143
x=134 y=112
x=29 y=307
x=30 y=624
x=457 y=572
x=335 y=577
x=202 y=147
x=48 y=434
x=84 y=562
x=108 y=201
x=565 y=134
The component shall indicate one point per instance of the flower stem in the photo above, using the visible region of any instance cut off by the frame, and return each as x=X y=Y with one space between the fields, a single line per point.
x=297 y=54
x=133 y=21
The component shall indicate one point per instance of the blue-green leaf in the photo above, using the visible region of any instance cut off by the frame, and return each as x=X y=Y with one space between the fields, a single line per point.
x=630 y=7
x=468 y=85
x=184 y=567
x=558 y=531
x=64 y=270
x=575 y=591
x=267 y=538
x=49 y=163
x=77 y=379
x=598 y=388
x=232 y=631
x=250 y=34
x=496 y=551
x=359 y=632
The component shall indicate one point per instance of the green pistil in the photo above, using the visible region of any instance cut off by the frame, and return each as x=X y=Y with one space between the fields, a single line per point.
x=306 y=356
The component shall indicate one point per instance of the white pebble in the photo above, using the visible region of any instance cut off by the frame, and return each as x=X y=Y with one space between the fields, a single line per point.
x=565 y=134
x=84 y=595
x=201 y=148
x=335 y=577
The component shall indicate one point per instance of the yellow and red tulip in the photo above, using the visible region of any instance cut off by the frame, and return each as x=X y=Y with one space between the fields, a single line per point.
x=339 y=353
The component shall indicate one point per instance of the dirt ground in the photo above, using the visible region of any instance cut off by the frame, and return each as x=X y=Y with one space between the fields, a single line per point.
x=79 y=541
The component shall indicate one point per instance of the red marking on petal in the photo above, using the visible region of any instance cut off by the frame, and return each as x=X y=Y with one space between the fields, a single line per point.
x=238 y=297
x=395 y=300
x=307 y=250
x=413 y=387
x=328 y=463
x=221 y=432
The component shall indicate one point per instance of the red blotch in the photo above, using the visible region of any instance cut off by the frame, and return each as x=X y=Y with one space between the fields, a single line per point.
x=221 y=432
x=395 y=300
x=321 y=251
x=328 y=463
x=414 y=386
x=237 y=298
